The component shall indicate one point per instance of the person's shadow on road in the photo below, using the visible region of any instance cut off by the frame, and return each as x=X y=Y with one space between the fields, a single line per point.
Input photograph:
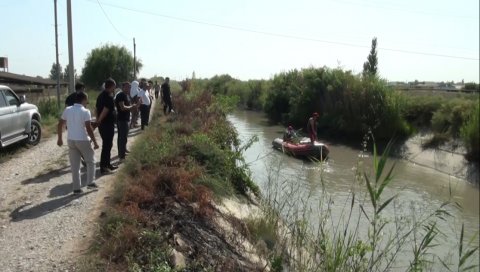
x=47 y=176
x=20 y=213
x=66 y=188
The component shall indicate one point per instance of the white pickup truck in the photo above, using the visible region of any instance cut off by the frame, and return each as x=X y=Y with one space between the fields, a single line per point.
x=19 y=120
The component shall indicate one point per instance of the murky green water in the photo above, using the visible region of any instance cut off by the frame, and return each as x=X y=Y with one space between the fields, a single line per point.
x=419 y=188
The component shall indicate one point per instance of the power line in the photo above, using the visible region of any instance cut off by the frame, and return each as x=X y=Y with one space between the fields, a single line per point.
x=110 y=21
x=381 y=5
x=280 y=35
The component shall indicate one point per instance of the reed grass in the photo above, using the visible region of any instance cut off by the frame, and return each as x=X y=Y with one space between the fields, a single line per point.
x=370 y=233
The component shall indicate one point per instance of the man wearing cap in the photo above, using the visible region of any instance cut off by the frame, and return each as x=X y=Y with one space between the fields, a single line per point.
x=312 y=127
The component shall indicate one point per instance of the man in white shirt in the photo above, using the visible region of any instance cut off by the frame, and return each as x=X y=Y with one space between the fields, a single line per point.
x=134 y=100
x=78 y=120
x=145 y=106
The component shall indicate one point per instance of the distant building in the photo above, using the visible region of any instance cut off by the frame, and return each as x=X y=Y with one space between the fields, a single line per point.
x=427 y=85
x=448 y=86
x=398 y=84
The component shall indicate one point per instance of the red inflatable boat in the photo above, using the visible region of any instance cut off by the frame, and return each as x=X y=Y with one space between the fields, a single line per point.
x=302 y=149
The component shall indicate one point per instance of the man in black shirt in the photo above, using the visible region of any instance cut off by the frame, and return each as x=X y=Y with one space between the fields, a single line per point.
x=157 y=89
x=106 y=124
x=79 y=88
x=122 y=102
x=166 y=96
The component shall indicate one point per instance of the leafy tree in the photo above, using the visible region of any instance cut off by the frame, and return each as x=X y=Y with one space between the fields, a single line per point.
x=219 y=84
x=55 y=70
x=472 y=86
x=108 y=61
x=371 y=65
x=66 y=75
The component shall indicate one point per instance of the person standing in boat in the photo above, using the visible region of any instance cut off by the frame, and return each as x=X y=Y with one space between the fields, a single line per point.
x=289 y=134
x=312 y=127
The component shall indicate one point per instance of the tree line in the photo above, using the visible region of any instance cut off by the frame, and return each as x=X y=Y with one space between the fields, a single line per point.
x=101 y=63
x=352 y=105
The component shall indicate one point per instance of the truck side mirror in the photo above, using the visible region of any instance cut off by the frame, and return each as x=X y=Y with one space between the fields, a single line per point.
x=22 y=99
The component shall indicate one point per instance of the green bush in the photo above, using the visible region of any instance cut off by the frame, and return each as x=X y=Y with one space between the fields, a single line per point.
x=224 y=175
x=250 y=94
x=472 y=86
x=470 y=134
x=419 y=110
x=348 y=105
x=450 y=117
x=48 y=107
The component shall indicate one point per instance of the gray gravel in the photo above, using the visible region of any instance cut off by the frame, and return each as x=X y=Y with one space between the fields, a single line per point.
x=43 y=227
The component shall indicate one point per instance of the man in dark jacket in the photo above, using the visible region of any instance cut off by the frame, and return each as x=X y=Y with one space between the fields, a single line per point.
x=106 y=124
x=123 y=105
x=166 y=96
x=79 y=88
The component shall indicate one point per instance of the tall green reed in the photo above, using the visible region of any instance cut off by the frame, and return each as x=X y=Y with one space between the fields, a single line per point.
x=370 y=231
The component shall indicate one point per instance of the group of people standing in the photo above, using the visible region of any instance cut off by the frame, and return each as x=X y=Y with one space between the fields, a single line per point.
x=120 y=108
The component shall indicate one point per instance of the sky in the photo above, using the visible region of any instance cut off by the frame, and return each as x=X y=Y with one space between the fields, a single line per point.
x=429 y=40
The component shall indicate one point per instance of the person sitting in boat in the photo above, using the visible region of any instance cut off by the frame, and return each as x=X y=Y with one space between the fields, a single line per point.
x=312 y=127
x=289 y=134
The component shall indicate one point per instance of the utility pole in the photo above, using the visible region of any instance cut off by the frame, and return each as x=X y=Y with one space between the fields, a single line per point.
x=56 y=55
x=71 y=73
x=134 y=60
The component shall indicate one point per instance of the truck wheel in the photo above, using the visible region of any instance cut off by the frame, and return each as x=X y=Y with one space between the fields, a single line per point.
x=35 y=133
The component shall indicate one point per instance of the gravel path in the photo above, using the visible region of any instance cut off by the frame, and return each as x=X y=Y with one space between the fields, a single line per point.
x=42 y=225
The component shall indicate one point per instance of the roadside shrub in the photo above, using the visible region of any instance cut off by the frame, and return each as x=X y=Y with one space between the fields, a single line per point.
x=118 y=237
x=48 y=107
x=221 y=165
x=177 y=167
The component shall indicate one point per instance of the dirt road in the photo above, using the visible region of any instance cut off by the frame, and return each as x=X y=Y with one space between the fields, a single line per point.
x=41 y=223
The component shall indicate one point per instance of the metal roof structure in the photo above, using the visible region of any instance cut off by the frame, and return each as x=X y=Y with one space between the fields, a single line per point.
x=11 y=78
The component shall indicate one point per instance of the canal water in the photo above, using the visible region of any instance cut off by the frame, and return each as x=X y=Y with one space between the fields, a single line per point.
x=419 y=189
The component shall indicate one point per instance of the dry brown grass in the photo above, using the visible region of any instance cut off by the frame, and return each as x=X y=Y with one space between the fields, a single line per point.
x=124 y=240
